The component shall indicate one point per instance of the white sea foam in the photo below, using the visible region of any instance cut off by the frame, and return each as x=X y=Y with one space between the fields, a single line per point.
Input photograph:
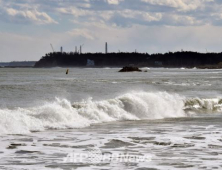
x=58 y=115
x=61 y=114
x=204 y=105
x=145 y=68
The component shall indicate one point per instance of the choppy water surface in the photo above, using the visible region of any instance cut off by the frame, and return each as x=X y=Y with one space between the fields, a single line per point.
x=173 y=116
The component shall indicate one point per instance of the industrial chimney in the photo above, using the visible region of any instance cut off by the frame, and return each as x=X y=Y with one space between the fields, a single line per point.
x=106 y=48
x=61 y=50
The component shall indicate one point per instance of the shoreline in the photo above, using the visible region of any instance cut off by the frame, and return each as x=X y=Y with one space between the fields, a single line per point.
x=185 y=59
x=211 y=67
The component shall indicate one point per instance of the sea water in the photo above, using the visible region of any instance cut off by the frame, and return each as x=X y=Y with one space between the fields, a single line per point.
x=98 y=118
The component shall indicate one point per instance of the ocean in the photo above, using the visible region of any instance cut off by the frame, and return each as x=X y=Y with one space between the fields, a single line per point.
x=98 y=118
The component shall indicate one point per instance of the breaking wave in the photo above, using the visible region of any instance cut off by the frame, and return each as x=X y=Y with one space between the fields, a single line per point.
x=198 y=105
x=62 y=114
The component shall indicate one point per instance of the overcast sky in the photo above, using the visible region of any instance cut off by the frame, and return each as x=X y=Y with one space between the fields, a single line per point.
x=27 y=27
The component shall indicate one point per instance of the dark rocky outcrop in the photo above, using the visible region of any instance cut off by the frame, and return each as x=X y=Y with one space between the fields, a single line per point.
x=130 y=69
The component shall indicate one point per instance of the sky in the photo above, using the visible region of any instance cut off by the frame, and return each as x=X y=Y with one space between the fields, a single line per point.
x=28 y=27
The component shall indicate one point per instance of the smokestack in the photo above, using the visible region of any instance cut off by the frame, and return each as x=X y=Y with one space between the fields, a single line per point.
x=80 y=50
x=61 y=50
x=106 y=48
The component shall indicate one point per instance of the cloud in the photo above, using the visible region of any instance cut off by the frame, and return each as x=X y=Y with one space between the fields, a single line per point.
x=22 y=12
x=87 y=34
x=123 y=13
x=181 y=5
x=74 y=11
x=146 y=25
x=114 y=2
x=33 y=16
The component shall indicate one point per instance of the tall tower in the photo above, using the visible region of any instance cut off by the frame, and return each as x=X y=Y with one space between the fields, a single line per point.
x=106 y=48
x=61 y=50
x=80 y=49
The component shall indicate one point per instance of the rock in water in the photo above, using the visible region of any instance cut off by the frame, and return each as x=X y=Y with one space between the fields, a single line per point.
x=130 y=69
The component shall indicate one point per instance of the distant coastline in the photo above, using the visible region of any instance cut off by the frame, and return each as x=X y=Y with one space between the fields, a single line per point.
x=187 y=59
x=17 y=64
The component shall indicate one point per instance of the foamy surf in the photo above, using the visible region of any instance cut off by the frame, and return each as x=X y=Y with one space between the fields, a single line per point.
x=62 y=114
x=133 y=106
x=197 y=105
x=55 y=115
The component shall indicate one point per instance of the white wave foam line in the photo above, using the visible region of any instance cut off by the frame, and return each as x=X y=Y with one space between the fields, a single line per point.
x=60 y=114
x=133 y=106
x=56 y=115
x=204 y=105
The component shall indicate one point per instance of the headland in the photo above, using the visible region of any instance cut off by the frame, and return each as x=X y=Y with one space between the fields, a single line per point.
x=178 y=59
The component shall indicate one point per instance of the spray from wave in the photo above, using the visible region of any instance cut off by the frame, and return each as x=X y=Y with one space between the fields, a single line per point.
x=198 y=105
x=61 y=114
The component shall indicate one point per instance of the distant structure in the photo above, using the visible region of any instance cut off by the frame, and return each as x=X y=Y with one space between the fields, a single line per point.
x=61 y=50
x=106 y=48
x=52 y=48
x=90 y=62
x=80 y=49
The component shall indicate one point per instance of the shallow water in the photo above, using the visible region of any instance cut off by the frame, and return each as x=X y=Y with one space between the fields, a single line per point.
x=170 y=116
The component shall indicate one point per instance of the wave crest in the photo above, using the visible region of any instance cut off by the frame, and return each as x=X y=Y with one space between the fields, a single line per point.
x=61 y=114
x=198 y=105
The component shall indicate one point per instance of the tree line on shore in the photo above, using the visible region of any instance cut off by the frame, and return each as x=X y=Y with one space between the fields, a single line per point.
x=187 y=59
